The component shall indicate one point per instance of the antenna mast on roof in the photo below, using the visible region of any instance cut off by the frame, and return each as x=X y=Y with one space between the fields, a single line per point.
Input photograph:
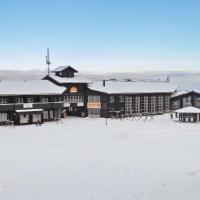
x=48 y=60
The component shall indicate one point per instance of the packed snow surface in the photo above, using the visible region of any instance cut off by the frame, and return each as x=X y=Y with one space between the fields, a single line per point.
x=85 y=159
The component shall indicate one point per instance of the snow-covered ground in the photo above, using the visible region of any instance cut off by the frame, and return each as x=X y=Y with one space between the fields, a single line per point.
x=85 y=159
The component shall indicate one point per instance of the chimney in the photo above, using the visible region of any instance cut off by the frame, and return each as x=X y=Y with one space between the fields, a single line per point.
x=168 y=79
x=104 y=83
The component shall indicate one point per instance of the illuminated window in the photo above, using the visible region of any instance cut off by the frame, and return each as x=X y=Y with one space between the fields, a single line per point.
x=73 y=90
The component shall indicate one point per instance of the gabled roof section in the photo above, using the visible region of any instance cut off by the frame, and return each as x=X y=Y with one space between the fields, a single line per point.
x=61 y=68
x=36 y=87
x=62 y=80
x=184 y=92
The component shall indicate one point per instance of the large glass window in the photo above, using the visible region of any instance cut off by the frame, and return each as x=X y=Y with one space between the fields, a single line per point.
x=152 y=106
x=197 y=102
x=45 y=114
x=111 y=99
x=74 y=99
x=175 y=104
x=93 y=98
x=136 y=104
x=167 y=103
x=128 y=105
x=187 y=101
x=160 y=103
x=144 y=104
x=95 y=112
x=121 y=98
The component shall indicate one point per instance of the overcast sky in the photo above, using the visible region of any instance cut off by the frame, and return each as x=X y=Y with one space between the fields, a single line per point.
x=104 y=35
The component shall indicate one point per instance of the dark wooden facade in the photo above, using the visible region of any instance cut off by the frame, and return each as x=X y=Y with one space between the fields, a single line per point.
x=75 y=95
x=67 y=71
x=49 y=106
x=156 y=103
x=191 y=98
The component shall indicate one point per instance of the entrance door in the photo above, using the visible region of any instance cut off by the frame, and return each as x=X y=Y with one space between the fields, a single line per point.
x=36 y=118
x=24 y=118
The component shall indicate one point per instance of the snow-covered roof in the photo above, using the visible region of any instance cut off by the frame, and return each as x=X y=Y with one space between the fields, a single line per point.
x=33 y=87
x=182 y=92
x=61 y=68
x=189 y=109
x=28 y=110
x=76 y=79
x=117 y=87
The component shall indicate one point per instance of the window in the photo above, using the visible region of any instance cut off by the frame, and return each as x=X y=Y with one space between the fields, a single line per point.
x=111 y=109
x=152 y=102
x=30 y=100
x=166 y=103
x=136 y=104
x=111 y=99
x=175 y=104
x=51 y=114
x=94 y=98
x=160 y=103
x=95 y=112
x=144 y=104
x=58 y=113
x=73 y=99
x=3 y=117
x=45 y=114
x=197 y=102
x=187 y=101
x=19 y=100
x=44 y=99
x=128 y=105
x=121 y=98
x=3 y=100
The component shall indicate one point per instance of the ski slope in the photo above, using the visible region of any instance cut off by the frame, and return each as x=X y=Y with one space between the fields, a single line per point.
x=85 y=159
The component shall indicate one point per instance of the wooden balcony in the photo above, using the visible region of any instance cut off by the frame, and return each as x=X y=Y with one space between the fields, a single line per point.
x=37 y=105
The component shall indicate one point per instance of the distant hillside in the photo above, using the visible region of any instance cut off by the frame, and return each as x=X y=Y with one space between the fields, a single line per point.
x=185 y=80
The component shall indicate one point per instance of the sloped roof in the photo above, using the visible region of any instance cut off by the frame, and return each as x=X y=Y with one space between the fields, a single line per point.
x=119 y=87
x=61 y=68
x=183 y=92
x=189 y=109
x=33 y=87
x=76 y=79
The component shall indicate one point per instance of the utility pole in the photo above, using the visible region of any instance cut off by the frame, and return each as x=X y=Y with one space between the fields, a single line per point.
x=48 y=61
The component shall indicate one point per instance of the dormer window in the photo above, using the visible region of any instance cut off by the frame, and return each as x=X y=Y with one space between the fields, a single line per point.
x=65 y=71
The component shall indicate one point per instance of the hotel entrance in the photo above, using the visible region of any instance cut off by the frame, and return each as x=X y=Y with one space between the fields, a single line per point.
x=28 y=116
x=74 y=105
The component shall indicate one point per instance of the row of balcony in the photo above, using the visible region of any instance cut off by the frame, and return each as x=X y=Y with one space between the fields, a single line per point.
x=39 y=105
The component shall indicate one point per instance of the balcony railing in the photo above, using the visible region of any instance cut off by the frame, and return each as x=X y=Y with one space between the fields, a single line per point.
x=35 y=105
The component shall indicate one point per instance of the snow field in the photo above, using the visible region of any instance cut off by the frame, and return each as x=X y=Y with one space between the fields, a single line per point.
x=83 y=159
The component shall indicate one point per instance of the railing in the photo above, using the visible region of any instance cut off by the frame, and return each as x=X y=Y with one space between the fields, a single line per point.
x=35 y=105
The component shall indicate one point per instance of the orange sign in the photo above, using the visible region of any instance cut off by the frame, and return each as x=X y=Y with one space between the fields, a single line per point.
x=93 y=105
x=73 y=90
